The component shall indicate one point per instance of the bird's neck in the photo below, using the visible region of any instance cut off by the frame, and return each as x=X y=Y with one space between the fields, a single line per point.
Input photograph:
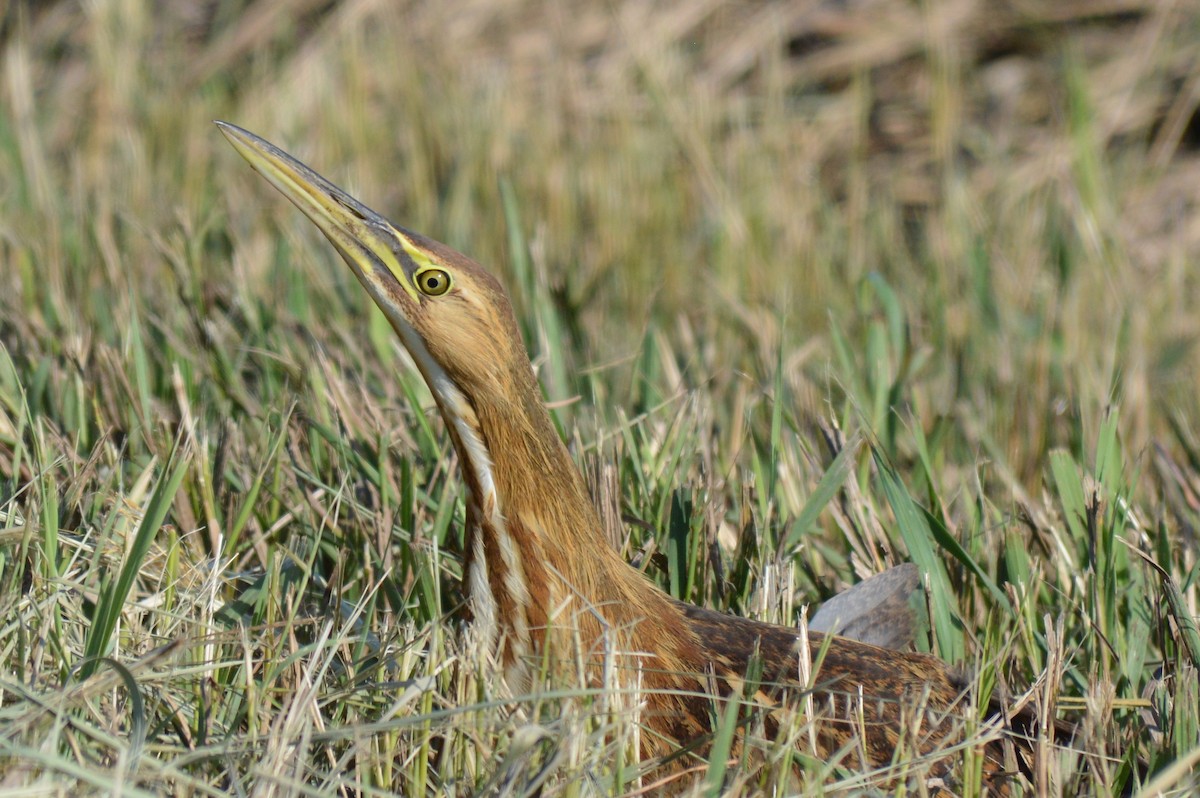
x=538 y=562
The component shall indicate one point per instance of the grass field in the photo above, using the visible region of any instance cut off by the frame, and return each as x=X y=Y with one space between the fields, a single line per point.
x=953 y=241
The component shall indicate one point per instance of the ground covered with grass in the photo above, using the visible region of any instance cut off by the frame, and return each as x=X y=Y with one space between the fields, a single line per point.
x=812 y=289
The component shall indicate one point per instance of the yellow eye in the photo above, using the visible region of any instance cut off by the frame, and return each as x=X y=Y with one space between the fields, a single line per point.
x=433 y=282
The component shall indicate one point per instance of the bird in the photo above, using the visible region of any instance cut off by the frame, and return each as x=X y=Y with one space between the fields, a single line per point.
x=540 y=576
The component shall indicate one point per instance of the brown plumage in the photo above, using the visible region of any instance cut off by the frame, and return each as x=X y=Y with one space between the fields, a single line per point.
x=539 y=573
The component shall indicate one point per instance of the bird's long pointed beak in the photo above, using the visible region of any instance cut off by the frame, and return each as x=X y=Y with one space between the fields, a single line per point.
x=377 y=251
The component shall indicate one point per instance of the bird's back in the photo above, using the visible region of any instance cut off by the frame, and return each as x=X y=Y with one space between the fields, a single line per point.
x=871 y=708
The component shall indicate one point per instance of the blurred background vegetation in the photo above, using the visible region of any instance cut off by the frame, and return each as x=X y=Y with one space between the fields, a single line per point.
x=951 y=239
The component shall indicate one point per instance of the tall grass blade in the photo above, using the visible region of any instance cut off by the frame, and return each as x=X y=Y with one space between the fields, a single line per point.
x=917 y=535
x=111 y=601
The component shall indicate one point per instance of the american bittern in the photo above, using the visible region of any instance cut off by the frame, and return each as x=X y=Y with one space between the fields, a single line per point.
x=539 y=572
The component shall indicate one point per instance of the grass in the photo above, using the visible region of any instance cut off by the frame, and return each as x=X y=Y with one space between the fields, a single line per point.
x=807 y=301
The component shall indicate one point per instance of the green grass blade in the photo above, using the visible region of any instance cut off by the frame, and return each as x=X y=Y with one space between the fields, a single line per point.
x=722 y=745
x=112 y=601
x=1070 y=492
x=919 y=538
x=831 y=482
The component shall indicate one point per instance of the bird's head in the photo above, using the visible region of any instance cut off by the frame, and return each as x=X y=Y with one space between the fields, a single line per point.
x=453 y=317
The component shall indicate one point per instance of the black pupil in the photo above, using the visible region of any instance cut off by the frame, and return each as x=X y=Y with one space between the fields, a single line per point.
x=432 y=282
